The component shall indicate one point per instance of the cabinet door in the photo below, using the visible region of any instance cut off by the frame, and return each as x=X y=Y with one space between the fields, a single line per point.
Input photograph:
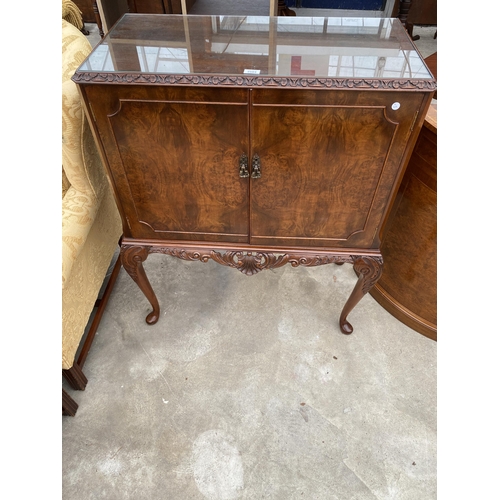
x=173 y=155
x=329 y=164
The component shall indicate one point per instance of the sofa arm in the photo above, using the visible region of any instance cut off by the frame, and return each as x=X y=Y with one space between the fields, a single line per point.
x=80 y=158
x=81 y=161
x=79 y=211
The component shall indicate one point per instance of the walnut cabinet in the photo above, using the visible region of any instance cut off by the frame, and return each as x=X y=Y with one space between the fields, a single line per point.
x=255 y=146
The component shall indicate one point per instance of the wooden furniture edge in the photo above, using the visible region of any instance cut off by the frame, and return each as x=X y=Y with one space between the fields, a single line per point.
x=404 y=315
x=138 y=78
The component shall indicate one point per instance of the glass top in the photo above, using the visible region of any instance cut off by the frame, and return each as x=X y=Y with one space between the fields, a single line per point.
x=290 y=47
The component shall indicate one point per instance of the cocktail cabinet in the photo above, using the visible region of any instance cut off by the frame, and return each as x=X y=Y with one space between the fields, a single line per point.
x=255 y=142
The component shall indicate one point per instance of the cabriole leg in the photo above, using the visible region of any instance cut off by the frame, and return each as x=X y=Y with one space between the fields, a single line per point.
x=369 y=270
x=132 y=259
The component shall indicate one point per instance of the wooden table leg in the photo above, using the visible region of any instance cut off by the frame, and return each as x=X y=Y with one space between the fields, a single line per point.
x=69 y=405
x=283 y=9
x=132 y=259
x=98 y=19
x=369 y=270
x=404 y=9
x=75 y=377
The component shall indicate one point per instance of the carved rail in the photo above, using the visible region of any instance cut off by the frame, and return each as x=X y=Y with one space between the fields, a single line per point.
x=368 y=268
x=249 y=81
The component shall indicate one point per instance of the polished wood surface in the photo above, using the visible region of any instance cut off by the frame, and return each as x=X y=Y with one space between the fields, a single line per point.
x=87 y=9
x=328 y=163
x=173 y=153
x=421 y=13
x=408 y=287
x=416 y=12
x=354 y=140
x=211 y=162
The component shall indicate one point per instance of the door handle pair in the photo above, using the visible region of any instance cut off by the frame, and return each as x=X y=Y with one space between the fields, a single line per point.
x=256 y=173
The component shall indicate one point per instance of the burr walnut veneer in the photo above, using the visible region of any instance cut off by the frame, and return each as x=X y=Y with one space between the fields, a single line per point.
x=255 y=141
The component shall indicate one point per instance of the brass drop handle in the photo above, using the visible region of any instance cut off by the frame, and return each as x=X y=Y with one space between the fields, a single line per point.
x=256 y=173
x=244 y=166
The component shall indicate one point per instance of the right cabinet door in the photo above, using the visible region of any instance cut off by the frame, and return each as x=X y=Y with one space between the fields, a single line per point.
x=329 y=161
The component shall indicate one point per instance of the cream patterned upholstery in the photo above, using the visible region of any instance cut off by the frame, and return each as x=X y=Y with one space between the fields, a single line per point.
x=91 y=225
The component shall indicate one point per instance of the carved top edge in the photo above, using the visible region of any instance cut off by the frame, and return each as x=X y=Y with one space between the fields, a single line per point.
x=254 y=81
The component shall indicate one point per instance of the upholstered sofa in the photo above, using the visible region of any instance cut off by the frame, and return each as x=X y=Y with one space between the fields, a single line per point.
x=91 y=225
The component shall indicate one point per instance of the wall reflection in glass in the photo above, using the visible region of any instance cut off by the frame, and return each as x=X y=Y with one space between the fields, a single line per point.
x=316 y=47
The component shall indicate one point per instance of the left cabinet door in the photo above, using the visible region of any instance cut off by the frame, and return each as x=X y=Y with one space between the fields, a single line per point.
x=173 y=155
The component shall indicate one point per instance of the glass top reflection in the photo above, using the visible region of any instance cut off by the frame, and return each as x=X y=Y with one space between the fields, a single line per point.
x=318 y=47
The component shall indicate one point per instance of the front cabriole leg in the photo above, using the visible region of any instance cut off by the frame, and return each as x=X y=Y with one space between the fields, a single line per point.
x=132 y=259
x=369 y=270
